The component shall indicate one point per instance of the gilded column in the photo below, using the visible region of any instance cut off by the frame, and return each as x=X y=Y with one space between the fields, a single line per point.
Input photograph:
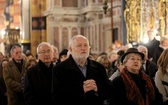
x=132 y=16
x=38 y=23
x=161 y=12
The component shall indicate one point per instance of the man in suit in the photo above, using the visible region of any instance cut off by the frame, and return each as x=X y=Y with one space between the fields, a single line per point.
x=148 y=66
x=153 y=43
x=79 y=80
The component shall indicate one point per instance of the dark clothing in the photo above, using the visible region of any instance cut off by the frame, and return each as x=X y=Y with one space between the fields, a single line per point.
x=68 y=83
x=119 y=97
x=157 y=52
x=3 y=98
x=151 y=68
x=165 y=103
x=37 y=85
x=152 y=46
x=18 y=65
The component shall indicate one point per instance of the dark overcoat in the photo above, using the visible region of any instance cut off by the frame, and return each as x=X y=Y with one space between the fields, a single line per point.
x=119 y=96
x=37 y=85
x=68 y=83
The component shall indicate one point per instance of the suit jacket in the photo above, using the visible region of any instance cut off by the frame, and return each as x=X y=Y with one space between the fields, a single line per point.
x=12 y=77
x=152 y=46
x=68 y=83
x=151 y=68
x=156 y=54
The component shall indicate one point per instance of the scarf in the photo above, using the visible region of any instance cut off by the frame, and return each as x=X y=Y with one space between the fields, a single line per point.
x=132 y=91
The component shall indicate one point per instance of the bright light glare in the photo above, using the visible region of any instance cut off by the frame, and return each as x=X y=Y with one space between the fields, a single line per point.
x=145 y=40
x=16 y=28
x=3 y=33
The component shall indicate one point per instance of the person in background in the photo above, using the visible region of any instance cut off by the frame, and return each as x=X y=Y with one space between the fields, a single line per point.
x=3 y=92
x=161 y=77
x=162 y=46
x=36 y=57
x=118 y=44
x=79 y=80
x=103 y=59
x=93 y=56
x=113 y=58
x=119 y=65
x=29 y=56
x=149 y=67
x=37 y=81
x=12 y=73
x=55 y=54
x=153 y=43
x=134 y=87
x=127 y=46
x=63 y=55
x=31 y=62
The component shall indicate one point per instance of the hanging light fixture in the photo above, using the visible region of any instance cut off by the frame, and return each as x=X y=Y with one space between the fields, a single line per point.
x=105 y=6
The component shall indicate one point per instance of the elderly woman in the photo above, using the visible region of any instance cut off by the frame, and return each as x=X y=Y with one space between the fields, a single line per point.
x=133 y=86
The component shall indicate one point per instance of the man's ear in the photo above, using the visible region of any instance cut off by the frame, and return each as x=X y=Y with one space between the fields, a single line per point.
x=70 y=49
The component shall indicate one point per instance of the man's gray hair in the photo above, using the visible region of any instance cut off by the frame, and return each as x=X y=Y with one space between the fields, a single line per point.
x=14 y=47
x=72 y=40
x=42 y=43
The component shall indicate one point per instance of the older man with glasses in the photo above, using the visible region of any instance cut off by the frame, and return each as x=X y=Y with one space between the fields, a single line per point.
x=37 y=83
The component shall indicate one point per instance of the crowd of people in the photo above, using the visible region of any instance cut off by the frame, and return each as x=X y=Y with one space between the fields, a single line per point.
x=124 y=74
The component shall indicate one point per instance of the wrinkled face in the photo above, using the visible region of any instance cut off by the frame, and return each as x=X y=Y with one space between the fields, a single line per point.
x=80 y=48
x=45 y=53
x=17 y=54
x=134 y=62
x=144 y=51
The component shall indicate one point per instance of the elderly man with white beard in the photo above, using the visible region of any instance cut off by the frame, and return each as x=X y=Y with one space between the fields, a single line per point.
x=79 y=80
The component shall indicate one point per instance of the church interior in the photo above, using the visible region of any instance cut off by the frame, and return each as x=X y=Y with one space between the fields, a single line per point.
x=30 y=22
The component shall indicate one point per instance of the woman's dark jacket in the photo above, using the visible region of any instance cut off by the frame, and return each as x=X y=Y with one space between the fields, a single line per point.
x=118 y=95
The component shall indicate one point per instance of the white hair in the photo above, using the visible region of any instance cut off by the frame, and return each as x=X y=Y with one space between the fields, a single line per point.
x=42 y=43
x=73 y=38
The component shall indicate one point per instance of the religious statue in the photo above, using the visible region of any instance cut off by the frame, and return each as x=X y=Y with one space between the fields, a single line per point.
x=132 y=19
x=127 y=21
x=161 y=12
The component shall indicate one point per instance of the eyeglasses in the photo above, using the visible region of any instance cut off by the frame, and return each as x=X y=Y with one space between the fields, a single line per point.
x=135 y=59
x=43 y=51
